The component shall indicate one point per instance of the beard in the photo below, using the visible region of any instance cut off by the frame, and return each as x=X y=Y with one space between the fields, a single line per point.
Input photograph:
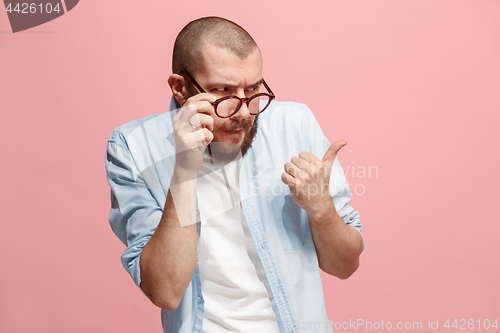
x=227 y=151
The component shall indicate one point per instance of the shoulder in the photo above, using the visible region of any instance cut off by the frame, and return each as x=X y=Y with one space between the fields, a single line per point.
x=279 y=109
x=156 y=122
x=286 y=117
x=286 y=125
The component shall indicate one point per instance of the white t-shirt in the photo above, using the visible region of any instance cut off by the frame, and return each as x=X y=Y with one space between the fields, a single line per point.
x=235 y=288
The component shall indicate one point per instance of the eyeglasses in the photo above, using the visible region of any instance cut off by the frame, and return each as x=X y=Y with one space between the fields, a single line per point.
x=227 y=106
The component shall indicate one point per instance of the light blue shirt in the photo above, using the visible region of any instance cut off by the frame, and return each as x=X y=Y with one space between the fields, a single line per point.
x=139 y=163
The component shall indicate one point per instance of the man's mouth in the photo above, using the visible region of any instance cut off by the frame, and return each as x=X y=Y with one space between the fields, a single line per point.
x=234 y=131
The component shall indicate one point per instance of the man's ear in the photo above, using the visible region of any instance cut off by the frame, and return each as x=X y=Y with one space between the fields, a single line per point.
x=178 y=87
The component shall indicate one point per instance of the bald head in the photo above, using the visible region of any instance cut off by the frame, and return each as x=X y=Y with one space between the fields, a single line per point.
x=222 y=33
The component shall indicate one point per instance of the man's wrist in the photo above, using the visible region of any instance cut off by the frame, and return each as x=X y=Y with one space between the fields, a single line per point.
x=322 y=212
x=182 y=175
x=320 y=207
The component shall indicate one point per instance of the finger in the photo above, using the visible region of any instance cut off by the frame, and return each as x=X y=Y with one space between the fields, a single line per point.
x=196 y=138
x=300 y=162
x=187 y=111
x=195 y=121
x=202 y=99
x=200 y=120
x=292 y=169
x=332 y=152
x=200 y=137
x=307 y=156
x=208 y=135
x=288 y=180
x=205 y=120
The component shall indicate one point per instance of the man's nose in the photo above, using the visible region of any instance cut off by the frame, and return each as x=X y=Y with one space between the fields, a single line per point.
x=243 y=112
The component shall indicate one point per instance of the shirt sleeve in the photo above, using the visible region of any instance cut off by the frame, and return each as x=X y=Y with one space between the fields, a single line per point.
x=134 y=213
x=339 y=188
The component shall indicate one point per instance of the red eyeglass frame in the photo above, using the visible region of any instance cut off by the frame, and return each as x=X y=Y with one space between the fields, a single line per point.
x=241 y=100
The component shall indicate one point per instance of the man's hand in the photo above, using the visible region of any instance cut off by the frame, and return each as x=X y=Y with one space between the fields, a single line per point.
x=308 y=178
x=190 y=142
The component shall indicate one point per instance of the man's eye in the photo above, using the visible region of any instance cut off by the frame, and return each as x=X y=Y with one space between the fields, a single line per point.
x=222 y=89
x=254 y=88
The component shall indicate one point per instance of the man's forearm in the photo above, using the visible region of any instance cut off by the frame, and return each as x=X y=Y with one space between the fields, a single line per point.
x=338 y=245
x=168 y=260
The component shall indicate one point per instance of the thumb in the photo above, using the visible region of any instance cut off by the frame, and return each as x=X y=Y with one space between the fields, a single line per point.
x=331 y=153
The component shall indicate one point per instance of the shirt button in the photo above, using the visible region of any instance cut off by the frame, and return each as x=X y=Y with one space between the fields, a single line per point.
x=199 y=299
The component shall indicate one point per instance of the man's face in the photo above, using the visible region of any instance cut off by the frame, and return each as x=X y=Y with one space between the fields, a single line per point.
x=226 y=74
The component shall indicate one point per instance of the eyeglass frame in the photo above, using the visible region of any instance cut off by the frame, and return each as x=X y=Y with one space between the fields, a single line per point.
x=241 y=100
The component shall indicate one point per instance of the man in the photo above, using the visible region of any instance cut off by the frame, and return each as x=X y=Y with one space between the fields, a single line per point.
x=266 y=188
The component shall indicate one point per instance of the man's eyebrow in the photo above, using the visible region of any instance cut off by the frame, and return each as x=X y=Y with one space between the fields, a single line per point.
x=258 y=83
x=230 y=85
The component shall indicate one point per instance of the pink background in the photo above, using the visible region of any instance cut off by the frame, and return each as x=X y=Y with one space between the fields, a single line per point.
x=413 y=86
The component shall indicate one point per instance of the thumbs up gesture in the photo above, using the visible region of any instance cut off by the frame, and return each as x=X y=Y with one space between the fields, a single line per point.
x=308 y=177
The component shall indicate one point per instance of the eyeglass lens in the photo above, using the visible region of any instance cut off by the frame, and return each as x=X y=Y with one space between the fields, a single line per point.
x=229 y=106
